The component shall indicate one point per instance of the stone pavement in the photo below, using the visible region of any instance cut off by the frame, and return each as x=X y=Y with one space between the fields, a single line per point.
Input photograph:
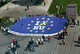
x=15 y=10
x=53 y=47
x=71 y=46
x=48 y=48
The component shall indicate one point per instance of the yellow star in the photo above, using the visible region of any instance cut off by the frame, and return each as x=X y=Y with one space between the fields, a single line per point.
x=31 y=30
x=37 y=19
x=48 y=19
x=29 y=24
x=43 y=23
x=43 y=18
x=51 y=24
x=28 y=27
x=42 y=30
x=32 y=21
x=36 y=31
x=51 y=21
x=48 y=28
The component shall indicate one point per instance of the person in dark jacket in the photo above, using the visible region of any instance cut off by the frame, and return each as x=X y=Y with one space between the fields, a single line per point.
x=78 y=22
x=27 y=7
x=43 y=38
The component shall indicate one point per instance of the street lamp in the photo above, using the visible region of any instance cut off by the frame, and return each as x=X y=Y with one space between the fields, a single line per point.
x=57 y=7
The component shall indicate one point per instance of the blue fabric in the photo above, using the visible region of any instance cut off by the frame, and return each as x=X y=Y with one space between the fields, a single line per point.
x=39 y=25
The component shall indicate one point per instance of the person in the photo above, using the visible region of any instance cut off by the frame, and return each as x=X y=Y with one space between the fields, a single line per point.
x=14 y=49
x=36 y=42
x=63 y=42
x=32 y=47
x=14 y=40
x=28 y=7
x=32 y=44
x=68 y=21
x=73 y=20
x=66 y=32
x=12 y=45
x=58 y=36
x=17 y=44
x=49 y=38
x=63 y=34
x=42 y=41
x=29 y=45
x=3 y=29
x=44 y=3
x=66 y=24
x=39 y=41
x=9 y=48
x=78 y=22
x=7 y=8
x=8 y=51
x=33 y=15
x=32 y=40
x=43 y=38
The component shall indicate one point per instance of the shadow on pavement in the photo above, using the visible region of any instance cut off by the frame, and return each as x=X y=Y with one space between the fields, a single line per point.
x=76 y=42
x=77 y=45
x=60 y=43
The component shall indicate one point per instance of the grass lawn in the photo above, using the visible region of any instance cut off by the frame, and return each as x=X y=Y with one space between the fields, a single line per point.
x=52 y=9
x=5 y=2
x=5 y=22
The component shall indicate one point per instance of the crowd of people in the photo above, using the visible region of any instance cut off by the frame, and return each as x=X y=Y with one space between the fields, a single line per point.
x=40 y=41
x=13 y=47
x=35 y=43
x=64 y=33
x=30 y=46
x=62 y=36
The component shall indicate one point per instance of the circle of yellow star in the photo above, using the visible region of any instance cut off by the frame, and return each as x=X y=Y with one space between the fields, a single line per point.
x=37 y=19
x=36 y=31
x=48 y=19
x=28 y=27
x=30 y=30
x=42 y=30
x=43 y=18
x=51 y=24
x=32 y=21
x=51 y=21
x=29 y=24
x=48 y=28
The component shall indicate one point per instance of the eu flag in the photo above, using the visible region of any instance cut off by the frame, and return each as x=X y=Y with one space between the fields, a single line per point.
x=38 y=26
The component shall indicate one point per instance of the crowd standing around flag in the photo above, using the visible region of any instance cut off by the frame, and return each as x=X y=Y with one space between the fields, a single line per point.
x=40 y=41
x=35 y=43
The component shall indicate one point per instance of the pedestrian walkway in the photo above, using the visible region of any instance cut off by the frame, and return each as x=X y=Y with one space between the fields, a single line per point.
x=48 y=48
x=69 y=47
x=15 y=10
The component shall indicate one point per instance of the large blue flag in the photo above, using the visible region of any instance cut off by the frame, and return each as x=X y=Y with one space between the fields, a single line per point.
x=38 y=26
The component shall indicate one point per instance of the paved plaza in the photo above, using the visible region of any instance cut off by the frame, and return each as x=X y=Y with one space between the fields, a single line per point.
x=54 y=47
x=15 y=10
